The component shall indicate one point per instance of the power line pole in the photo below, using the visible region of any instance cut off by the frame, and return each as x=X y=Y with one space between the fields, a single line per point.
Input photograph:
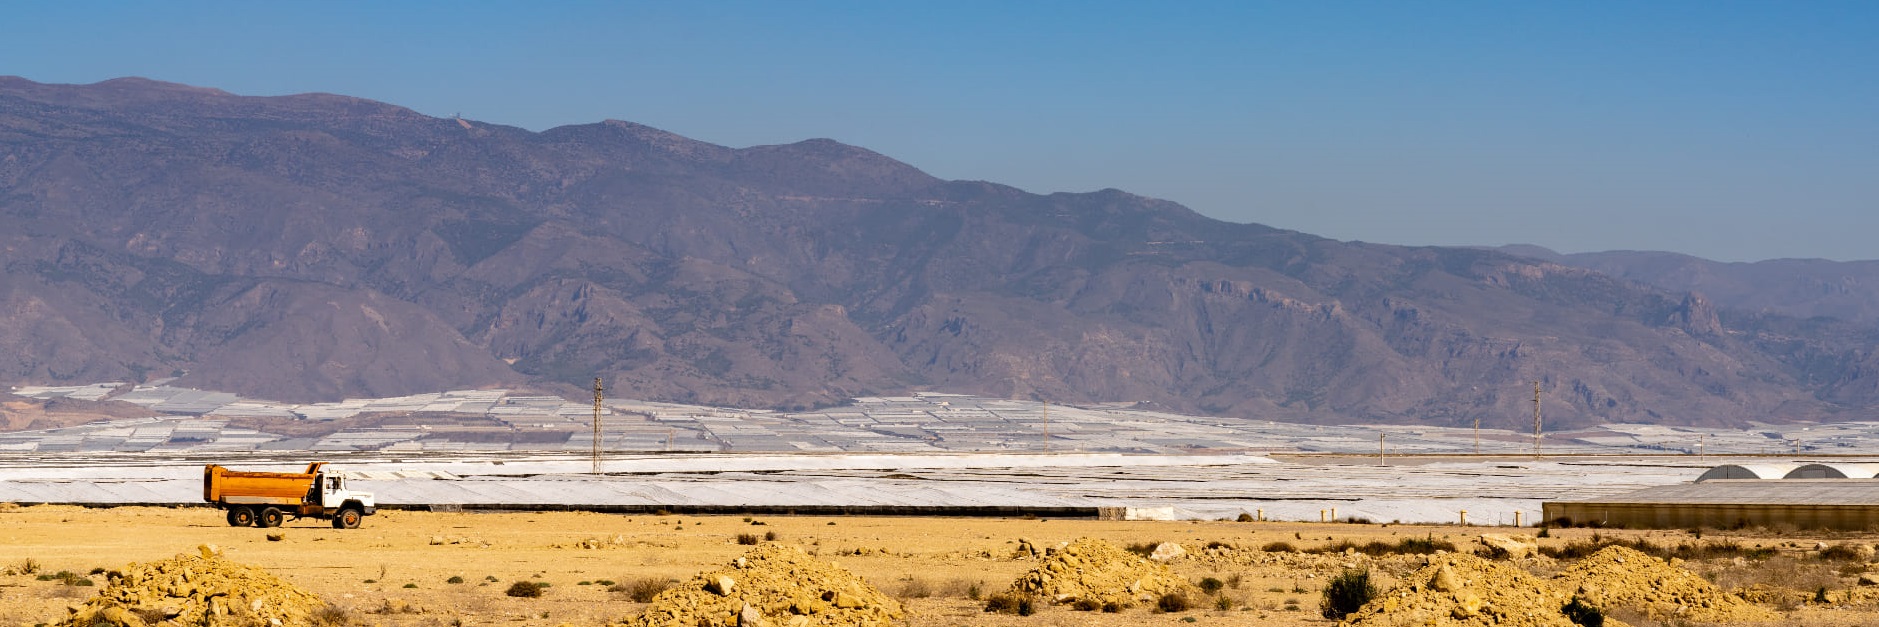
x=1047 y=426
x=597 y=398
x=1477 y=435
x=1380 y=461
x=1536 y=418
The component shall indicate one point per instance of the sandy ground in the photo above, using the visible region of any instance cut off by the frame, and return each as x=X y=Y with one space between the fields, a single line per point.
x=392 y=562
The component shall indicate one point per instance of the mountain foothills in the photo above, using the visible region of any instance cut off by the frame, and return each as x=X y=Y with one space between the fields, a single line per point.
x=314 y=247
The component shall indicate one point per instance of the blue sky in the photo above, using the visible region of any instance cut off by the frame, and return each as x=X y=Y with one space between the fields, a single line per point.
x=1730 y=130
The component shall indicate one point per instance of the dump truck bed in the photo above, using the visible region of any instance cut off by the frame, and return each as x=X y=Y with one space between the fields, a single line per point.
x=221 y=485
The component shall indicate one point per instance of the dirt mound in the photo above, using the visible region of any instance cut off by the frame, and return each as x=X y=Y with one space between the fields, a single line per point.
x=201 y=589
x=1621 y=577
x=773 y=585
x=1095 y=570
x=1456 y=589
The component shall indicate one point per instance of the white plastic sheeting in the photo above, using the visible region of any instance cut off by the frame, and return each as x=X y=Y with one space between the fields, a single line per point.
x=1210 y=486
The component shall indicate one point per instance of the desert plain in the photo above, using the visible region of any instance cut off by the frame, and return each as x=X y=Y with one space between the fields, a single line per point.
x=398 y=568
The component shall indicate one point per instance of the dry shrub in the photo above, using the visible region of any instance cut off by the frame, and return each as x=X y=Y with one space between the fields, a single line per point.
x=1377 y=548
x=1008 y=603
x=326 y=616
x=1279 y=547
x=1173 y=602
x=961 y=588
x=641 y=590
x=525 y=589
x=913 y=588
x=1798 y=578
x=748 y=539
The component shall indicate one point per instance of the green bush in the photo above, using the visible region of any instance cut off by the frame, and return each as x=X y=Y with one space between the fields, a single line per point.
x=1346 y=593
x=525 y=589
x=1173 y=602
x=1211 y=585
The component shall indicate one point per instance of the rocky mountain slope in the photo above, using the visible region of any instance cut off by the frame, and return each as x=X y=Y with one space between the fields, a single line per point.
x=1802 y=288
x=313 y=247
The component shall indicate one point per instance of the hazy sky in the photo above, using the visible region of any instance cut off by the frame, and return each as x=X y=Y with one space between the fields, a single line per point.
x=1734 y=131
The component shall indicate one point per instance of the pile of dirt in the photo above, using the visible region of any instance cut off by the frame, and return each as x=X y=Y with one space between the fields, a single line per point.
x=1617 y=576
x=201 y=589
x=1094 y=570
x=773 y=585
x=1457 y=589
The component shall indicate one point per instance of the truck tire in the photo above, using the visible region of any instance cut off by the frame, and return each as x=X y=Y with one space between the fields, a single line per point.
x=270 y=517
x=240 y=516
x=348 y=518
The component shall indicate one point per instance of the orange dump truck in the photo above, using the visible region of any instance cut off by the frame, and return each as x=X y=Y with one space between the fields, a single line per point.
x=265 y=499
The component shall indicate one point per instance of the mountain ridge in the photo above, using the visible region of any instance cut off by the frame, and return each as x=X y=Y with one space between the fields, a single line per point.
x=311 y=248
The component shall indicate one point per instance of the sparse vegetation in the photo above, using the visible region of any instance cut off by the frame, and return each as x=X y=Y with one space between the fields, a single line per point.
x=1008 y=603
x=748 y=539
x=1378 y=548
x=454 y=579
x=1211 y=585
x=1143 y=549
x=913 y=588
x=1279 y=547
x=641 y=590
x=525 y=589
x=1346 y=593
x=328 y=615
x=1173 y=602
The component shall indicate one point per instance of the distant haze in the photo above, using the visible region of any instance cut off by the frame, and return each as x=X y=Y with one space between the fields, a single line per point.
x=1735 y=131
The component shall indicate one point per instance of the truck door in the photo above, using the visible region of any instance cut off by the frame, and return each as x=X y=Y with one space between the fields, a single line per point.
x=333 y=492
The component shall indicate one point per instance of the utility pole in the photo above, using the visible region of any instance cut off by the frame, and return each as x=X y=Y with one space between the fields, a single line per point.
x=597 y=398
x=1047 y=426
x=1380 y=461
x=1477 y=435
x=1536 y=418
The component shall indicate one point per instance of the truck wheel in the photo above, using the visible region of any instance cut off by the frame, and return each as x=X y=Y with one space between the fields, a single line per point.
x=240 y=516
x=347 y=518
x=270 y=517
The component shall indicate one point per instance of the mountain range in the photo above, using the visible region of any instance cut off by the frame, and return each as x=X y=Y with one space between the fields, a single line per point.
x=317 y=247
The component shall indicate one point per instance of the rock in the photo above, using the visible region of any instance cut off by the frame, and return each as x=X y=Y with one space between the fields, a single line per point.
x=722 y=586
x=1167 y=551
x=437 y=540
x=277 y=536
x=1868 y=579
x=1865 y=552
x=1444 y=580
x=750 y=617
x=1509 y=546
